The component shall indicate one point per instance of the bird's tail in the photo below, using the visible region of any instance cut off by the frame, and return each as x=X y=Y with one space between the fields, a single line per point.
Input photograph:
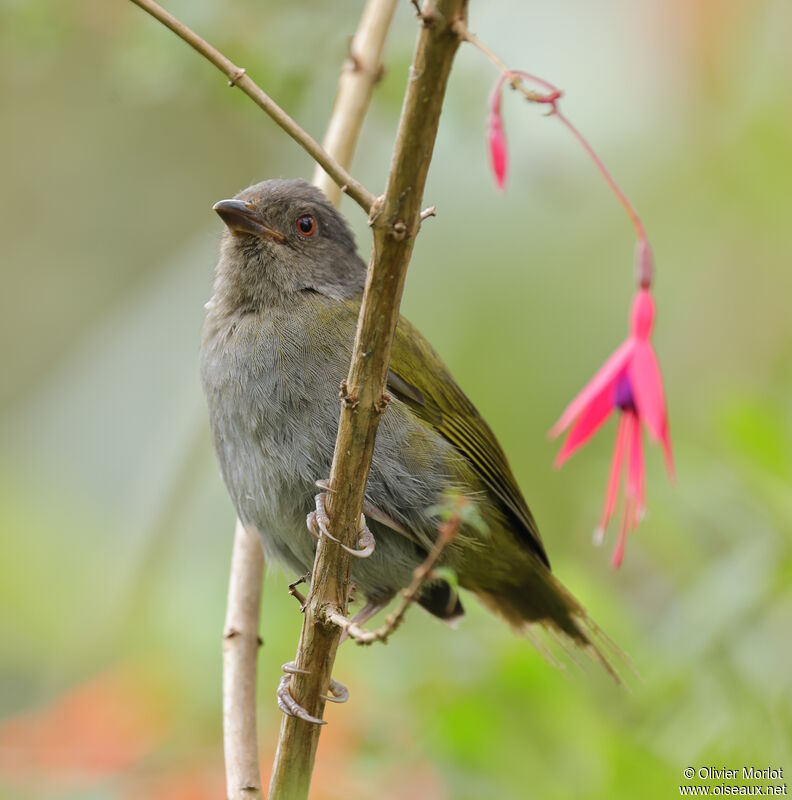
x=532 y=597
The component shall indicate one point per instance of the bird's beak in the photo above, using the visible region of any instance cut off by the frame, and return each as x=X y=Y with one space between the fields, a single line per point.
x=243 y=218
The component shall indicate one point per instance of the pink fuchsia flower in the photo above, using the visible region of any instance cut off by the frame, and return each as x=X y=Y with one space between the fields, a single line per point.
x=629 y=382
x=630 y=379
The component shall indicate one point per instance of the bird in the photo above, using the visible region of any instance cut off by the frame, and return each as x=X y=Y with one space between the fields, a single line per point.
x=276 y=344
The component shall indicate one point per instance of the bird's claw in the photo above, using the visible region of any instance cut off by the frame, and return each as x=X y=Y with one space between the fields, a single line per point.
x=318 y=524
x=289 y=706
x=338 y=692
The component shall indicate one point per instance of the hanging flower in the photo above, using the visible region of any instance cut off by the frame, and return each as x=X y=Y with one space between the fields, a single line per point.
x=629 y=382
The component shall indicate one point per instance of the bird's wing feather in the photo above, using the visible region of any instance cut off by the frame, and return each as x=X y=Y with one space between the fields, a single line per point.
x=420 y=379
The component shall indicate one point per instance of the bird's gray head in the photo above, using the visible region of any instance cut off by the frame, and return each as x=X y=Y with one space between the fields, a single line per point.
x=283 y=237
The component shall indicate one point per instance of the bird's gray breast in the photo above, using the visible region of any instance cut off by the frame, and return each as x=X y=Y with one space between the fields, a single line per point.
x=271 y=386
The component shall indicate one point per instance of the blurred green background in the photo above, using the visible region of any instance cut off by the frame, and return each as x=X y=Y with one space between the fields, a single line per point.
x=115 y=529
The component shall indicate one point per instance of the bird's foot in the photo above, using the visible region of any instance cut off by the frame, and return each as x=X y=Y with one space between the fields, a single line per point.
x=288 y=705
x=318 y=524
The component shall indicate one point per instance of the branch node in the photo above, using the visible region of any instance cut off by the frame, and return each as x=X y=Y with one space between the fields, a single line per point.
x=427 y=18
x=398 y=230
x=231 y=633
x=460 y=28
x=376 y=210
x=329 y=614
x=383 y=403
x=353 y=60
x=236 y=75
x=349 y=399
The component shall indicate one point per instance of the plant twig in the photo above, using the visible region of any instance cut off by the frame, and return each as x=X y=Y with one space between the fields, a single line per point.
x=362 y=69
x=395 y=222
x=240 y=648
x=238 y=77
x=447 y=531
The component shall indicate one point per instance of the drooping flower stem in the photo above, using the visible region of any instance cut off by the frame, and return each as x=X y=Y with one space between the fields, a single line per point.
x=629 y=383
x=644 y=260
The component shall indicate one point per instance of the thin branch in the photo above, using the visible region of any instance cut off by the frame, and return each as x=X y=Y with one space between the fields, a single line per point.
x=447 y=532
x=238 y=77
x=395 y=222
x=240 y=648
x=362 y=69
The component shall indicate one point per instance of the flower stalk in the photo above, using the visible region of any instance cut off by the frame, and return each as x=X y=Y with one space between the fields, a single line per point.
x=629 y=382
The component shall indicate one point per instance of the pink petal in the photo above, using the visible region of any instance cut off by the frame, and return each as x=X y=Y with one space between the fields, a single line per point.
x=636 y=484
x=604 y=379
x=497 y=148
x=647 y=386
x=636 y=466
x=665 y=438
x=588 y=423
x=612 y=493
x=618 y=551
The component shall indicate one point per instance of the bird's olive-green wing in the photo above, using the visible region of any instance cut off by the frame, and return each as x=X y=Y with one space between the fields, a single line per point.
x=419 y=378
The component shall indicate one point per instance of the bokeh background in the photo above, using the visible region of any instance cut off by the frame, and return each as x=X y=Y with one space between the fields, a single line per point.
x=115 y=529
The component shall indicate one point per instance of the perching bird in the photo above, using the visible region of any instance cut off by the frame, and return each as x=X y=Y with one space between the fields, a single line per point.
x=277 y=342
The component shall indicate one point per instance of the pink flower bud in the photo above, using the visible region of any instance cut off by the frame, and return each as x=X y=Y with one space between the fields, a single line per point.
x=497 y=150
x=496 y=139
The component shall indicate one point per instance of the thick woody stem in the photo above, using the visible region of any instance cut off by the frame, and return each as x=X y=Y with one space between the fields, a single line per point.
x=238 y=77
x=362 y=69
x=395 y=221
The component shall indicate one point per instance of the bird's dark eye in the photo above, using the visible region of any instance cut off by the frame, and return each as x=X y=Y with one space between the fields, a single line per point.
x=306 y=225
